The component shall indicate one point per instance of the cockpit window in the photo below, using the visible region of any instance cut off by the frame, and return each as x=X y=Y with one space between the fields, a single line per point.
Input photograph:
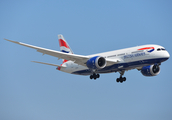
x=159 y=49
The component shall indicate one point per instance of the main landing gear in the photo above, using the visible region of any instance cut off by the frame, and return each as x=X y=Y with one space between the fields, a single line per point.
x=121 y=79
x=94 y=76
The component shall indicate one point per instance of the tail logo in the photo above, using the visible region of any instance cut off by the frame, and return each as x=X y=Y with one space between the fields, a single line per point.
x=64 y=47
x=63 y=43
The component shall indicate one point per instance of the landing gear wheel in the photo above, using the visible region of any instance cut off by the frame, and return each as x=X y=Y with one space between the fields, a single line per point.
x=117 y=80
x=97 y=75
x=94 y=76
x=91 y=76
x=124 y=78
x=121 y=79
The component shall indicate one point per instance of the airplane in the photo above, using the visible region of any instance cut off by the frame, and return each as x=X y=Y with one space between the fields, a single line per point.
x=145 y=58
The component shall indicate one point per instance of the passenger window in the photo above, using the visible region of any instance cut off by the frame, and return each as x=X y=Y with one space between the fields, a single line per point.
x=121 y=54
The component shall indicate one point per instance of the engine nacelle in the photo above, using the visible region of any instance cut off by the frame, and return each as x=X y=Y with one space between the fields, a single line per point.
x=151 y=70
x=96 y=62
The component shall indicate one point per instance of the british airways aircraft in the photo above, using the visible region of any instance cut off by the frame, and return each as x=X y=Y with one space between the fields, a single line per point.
x=145 y=58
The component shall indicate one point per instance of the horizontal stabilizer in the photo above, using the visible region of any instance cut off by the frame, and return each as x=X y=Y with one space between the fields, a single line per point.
x=48 y=64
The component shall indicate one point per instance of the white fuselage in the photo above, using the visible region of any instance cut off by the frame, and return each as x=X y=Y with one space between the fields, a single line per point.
x=130 y=58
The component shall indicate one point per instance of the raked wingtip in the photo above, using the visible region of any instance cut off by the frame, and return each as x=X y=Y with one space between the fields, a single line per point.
x=11 y=41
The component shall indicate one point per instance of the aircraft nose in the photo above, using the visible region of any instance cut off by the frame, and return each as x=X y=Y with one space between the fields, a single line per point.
x=167 y=55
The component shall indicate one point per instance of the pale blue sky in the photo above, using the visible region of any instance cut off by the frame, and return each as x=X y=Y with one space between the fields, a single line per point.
x=39 y=92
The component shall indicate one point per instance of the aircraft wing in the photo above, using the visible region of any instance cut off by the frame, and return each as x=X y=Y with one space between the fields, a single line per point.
x=78 y=59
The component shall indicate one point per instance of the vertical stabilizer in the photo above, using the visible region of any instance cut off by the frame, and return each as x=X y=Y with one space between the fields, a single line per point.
x=64 y=46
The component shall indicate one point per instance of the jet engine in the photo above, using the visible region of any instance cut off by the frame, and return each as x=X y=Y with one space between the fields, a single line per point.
x=96 y=62
x=151 y=70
